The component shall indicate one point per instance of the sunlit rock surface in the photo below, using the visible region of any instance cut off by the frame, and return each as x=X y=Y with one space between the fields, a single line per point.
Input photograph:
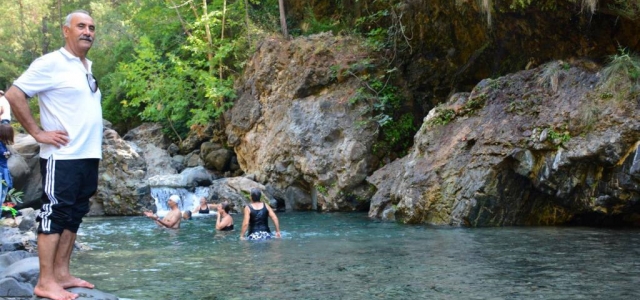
x=531 y=148
x=294 y=126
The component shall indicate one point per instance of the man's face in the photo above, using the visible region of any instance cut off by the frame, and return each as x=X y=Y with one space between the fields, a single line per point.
x=80 y=33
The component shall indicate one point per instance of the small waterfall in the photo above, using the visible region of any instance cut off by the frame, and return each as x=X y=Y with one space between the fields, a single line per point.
x=634 y=165
x=188 y=200
x=556 y=160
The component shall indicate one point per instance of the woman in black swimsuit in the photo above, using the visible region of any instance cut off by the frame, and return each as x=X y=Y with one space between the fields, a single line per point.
x=224 y=221
x=203 y=208
x=256 y=216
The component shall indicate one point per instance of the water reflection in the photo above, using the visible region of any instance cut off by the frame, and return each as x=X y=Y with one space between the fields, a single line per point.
x=348 y=256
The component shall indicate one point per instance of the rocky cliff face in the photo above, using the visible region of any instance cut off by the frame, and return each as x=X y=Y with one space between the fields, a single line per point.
x=295 y=127
x=539 y=147
x=122 y=186
x=443 y=45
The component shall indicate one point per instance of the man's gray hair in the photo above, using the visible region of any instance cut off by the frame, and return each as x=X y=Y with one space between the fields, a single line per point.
x=67 y=21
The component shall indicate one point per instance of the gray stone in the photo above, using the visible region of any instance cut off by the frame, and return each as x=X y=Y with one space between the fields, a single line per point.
x=25 y=270
x=235 y=190
x=150 y=133
x=28 y=219
x=25 y=169
x=197 y=176
x=173 y=149
x=193 y=159
x=178 y=163
x=9 y=258
x=10 y=239
x=298 y=199
x=218 y=160
x=196 y=137
x=9 y=287
x=190 y=177
x=92 y=294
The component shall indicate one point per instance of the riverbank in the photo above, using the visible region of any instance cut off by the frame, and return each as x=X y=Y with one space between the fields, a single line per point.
x=19 y=265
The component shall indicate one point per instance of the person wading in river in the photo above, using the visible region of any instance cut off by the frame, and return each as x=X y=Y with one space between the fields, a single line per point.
x=173 y=217
x=256 y=216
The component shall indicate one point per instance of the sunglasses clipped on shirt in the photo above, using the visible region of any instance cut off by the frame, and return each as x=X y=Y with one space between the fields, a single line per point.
x=93 y=82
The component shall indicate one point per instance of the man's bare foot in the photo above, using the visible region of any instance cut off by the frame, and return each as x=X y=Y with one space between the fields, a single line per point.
x=70 y=282
x=53 y=292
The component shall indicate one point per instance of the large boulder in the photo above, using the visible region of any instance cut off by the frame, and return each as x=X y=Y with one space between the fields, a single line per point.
x=24 y=165
x=9 y=258
x=294 y=126
x=197 y=136
x=24 y=271
x=524 y=149
x=236 y=190
x=188 y=179
x=151 y=144
x=122 y=185
x=215 y=156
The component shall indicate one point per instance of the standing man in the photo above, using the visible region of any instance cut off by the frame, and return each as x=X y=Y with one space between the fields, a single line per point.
x=70 y=147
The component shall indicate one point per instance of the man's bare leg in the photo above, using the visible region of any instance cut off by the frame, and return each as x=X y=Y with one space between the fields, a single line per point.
x=62 y=261
x=47 y=286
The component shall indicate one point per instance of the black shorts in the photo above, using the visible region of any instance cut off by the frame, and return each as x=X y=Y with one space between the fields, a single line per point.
x=67 y=186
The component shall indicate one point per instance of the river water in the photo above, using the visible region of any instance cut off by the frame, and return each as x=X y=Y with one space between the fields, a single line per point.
x=349 y=256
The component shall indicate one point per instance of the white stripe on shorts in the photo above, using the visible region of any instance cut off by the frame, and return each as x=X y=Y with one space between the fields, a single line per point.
x=49 y=184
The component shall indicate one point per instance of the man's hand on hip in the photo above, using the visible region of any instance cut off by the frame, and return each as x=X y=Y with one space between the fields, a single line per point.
x=57 y=138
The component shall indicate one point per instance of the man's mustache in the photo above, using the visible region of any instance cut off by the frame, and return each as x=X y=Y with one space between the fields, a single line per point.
x=86 y=38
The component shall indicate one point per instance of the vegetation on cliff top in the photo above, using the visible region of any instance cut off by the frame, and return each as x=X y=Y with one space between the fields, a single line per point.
x=175 y=62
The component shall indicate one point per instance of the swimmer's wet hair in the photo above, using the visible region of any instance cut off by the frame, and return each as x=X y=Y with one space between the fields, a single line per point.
x=255 y=194
x=226 y=206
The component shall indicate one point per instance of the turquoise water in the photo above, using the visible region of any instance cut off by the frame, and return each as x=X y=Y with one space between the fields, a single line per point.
x=348 y=256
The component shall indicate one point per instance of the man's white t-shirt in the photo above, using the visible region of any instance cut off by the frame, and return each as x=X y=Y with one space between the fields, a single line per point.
x=66 y=103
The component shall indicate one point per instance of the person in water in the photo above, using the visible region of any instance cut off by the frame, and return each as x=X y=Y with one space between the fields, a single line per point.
x=173 y=217
x=203 y=207
x=186 y=215
x=255 y=219
x=224 y=221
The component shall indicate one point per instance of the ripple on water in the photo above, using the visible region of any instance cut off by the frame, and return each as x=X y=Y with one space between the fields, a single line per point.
x=348 y=256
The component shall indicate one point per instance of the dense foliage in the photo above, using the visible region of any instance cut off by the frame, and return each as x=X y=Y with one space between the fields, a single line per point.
x=166 y=61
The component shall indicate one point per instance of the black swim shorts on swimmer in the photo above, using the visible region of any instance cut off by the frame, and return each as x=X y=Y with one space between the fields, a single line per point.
x=67 y=186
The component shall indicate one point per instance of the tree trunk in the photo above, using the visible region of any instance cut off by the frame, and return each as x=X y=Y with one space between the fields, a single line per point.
x=209 y=41
x=224 y=14
x=246 y=21
x=283 y=19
